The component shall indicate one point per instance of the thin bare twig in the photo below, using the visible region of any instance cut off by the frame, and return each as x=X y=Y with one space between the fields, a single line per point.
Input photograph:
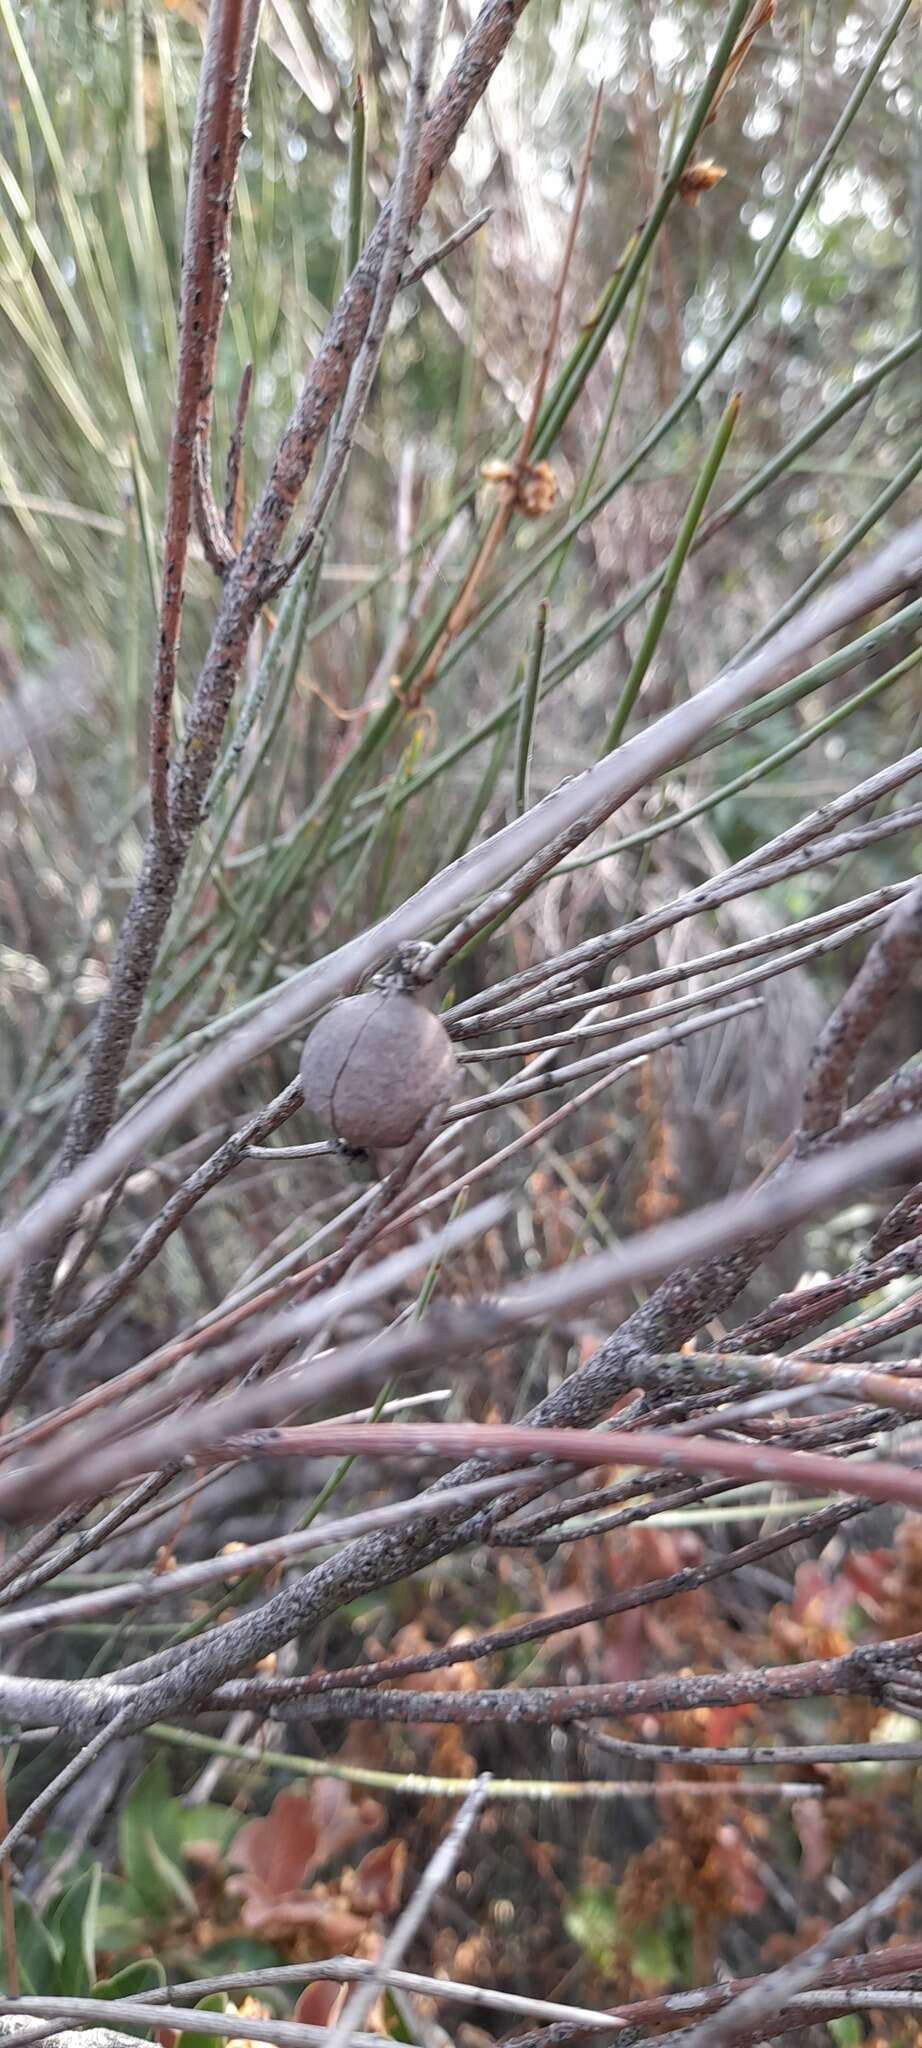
x=58 y=1785
x=402 y=210
x=473 y=1019
x=589 y=798
x=133 y=2012
x=436 y=1874
x=215 y=151
x=862 y=1672
x=697 y=1756
x=447 y=248
x=73 y=1328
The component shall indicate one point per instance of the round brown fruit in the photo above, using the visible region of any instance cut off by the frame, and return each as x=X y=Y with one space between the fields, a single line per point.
x=374 y=1067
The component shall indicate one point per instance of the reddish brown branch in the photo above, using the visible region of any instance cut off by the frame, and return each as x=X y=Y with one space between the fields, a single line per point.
x=881 y=1966
x=658 y=1450
x=214 y=158
x=858 y=1014
x=215 y=545
x=864 y=1671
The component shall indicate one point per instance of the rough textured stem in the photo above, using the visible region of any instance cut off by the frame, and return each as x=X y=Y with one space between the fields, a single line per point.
x=858 y=1014
x=205 y=240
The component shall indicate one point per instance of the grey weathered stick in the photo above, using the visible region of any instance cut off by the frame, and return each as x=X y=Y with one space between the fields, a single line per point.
x=467 y=1023
x=436 y=1874
x=354 y=1969
x=540 y=1075
x=587 y=801
x=132 y=2012
x=760 y=1754
x=78 y=1708
x=153 y=1587
x=446 y=248
x=719 y=1227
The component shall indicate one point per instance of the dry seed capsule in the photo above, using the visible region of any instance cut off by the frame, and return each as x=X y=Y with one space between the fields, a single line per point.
x=375 y=1066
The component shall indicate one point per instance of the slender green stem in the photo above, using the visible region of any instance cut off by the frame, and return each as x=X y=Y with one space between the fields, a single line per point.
x=591 y=344
x=672 y=572
x=748 y=776
x=355 y=229
x=870 y=519
x=527 y=708
x=409 y=1784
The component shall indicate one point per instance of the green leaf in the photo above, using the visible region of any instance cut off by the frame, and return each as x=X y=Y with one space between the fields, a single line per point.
x=169 y=1874
x=661 y=1951
x=150 y=1845
x=147 y=1974
x=37 y=1955
x=73 y=1925
x=122 y=1916
x=592 y=1922
x=216 y=1824
x=216 y=2002
x=848 y=2032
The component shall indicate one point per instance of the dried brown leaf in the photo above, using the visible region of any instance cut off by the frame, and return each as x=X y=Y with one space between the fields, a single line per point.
x=376 y=1885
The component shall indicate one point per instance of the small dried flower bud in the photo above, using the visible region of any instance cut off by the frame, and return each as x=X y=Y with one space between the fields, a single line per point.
x=537 y=490
x=375 y=1066
x=699 y=178
x=533 y=485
